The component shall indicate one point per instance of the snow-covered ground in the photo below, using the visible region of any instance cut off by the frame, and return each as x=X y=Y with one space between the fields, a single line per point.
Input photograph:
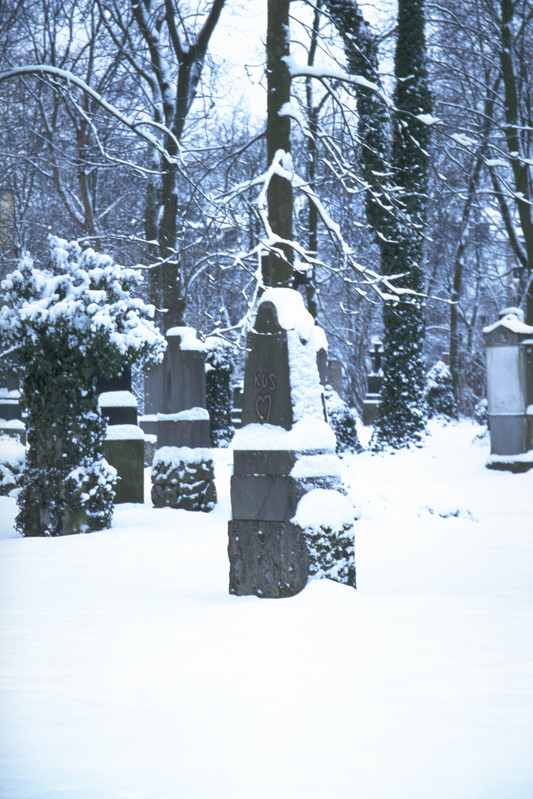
x=128 y=672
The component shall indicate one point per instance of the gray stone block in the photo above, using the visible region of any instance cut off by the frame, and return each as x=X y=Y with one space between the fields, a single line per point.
x=182 y=433
x=266 y=497
x=267 y=559
x=274 y=462
x=508 y=434
x=127 y=457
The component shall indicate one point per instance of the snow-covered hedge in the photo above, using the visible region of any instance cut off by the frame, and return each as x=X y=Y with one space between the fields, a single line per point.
x=68 y=322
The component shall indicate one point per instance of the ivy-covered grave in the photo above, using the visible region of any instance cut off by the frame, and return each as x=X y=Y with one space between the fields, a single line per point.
x=183 y=477
x=68 y=321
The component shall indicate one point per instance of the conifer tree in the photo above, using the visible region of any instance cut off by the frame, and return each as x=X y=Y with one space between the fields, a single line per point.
x=394 y=166
x=401 y=419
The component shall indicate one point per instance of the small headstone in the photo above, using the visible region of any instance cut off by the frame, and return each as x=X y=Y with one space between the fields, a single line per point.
x=284 y=450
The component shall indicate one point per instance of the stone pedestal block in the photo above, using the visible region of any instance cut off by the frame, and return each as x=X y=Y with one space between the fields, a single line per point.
x=10 y=408
x=124 y=450
x=173 y=432
x=268 y=559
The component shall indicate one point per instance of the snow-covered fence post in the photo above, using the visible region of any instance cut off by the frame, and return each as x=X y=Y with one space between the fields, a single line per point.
x=284 y=450
x=69 y=323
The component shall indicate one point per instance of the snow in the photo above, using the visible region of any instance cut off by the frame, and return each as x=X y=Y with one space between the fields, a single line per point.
x=291 y=311
x=177 y=455
x=127 y=670
x=126 y=432
x=119 y=399
x=189 y=415
x=307 y=435
x=189 y=341
x=323 y=506
x=512 y=322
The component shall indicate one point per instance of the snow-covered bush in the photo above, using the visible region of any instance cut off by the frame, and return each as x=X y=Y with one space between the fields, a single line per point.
x=219 y=365
x=439 y=392
x=481 y=411
x=69 y=322
x=183 y=478
x=343 y=421
x=11 y=464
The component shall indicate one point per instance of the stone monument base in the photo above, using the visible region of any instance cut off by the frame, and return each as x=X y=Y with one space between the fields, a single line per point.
x=267 y=559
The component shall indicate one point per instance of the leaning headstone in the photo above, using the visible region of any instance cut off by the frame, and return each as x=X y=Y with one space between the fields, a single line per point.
x=284 y=450
x=509 y=347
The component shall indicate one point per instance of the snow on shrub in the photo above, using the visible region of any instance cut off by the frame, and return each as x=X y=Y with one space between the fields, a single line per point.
x=439 y=392
x=343 y=420
x=12 y=454
x=68 y=322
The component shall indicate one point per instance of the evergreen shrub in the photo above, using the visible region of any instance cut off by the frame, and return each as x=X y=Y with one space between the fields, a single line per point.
x=439 y=392
x=343 y=421
x=219 y=364
x=68 y=322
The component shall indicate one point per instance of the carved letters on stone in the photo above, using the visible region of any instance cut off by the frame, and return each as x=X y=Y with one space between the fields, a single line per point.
x=266 y=383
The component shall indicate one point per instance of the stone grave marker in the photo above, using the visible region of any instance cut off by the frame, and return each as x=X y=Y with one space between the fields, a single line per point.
x=372 y=399
x=509 y=347
x=175 y=406
x=284 y=450
x=124 y=443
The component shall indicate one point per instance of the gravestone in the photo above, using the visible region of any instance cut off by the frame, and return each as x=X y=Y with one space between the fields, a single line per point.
x=509 y=348
x=175 y=406
x=372 y=399
x=124 y=443
x=284 y=450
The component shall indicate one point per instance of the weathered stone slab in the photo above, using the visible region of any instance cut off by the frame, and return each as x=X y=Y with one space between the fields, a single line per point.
x=250 y=462
x=268 y=559
x=182 y=432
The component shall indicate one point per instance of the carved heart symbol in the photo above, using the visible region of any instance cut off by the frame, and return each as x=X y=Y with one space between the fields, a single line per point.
x=263 y=407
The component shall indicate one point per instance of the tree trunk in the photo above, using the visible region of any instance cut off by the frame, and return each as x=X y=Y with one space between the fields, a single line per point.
x=280 y=199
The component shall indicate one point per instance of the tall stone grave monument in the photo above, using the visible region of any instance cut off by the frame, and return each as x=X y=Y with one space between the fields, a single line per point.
x=509 y=346
x=175 y=406
x=290 y=518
